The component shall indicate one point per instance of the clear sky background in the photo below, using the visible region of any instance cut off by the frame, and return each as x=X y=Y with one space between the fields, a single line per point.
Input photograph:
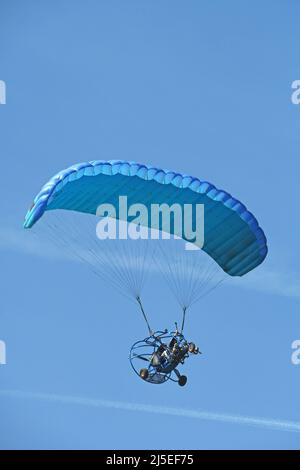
x=199 y=87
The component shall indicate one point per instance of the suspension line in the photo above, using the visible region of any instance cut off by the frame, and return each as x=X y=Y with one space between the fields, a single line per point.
x=183 y=318
x=144 y=315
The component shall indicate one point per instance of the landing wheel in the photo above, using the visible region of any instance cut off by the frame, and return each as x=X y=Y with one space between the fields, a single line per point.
x=144 y=374
x=182 y=380
x=192 y=347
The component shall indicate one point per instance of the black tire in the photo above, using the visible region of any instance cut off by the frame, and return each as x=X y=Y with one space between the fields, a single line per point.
x=144 y=374
x=192 y=347
x=182 y=380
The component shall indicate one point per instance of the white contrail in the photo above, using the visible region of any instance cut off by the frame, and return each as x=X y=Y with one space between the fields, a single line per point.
x=272 y=424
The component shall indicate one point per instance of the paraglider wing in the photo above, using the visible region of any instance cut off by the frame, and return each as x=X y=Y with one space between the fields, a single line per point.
x=232 y=236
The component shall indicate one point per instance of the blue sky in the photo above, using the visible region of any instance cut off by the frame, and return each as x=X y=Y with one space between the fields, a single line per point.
x=200 y=87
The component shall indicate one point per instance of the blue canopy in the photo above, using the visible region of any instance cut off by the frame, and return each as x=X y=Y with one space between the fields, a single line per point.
x=232 y=236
